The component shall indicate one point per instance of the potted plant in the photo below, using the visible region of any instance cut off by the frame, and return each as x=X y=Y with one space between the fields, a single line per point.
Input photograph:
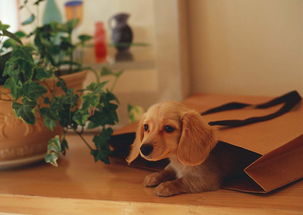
x=41 y=84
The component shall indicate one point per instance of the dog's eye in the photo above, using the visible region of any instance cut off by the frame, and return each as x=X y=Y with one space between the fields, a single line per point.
x=168 y=129
x=145 y=126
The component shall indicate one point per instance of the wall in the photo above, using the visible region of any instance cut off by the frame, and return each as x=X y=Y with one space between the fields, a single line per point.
x=245 y=46
x=159 y=71
x=8 y=14
x=101 y=10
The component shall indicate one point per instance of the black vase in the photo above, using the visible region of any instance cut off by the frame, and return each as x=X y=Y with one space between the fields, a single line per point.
x=122 y=34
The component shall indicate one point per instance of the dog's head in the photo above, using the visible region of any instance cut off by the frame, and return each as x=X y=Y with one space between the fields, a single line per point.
x=169 y=128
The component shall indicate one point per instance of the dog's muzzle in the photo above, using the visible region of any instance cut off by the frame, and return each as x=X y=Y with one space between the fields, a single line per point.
x=146 y=149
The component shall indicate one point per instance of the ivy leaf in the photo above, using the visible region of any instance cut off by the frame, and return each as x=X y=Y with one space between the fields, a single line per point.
x=3 y=26
x=64 y=107
x=14 y=87
x=49 y=123
x=106 y=71
x=51 y=158
x=48 y=118
x=25 y=111
x=134 y=112
x=71 y=24
x=96 y=87
x=108 y=96
x=29 y=20
x=20 y=65
x=54 y=145
x=20 y=34
x=33 y=90
x=64 y=146
x=41 y=73
x=80 y=117
x=14 y=42
x=101 y=139
x=12 y=36
x=102 y=150
x=61 y=83
x=54 y=148
x=90 y=100
x=119 y=73
x=106 y=116
x=84 y=38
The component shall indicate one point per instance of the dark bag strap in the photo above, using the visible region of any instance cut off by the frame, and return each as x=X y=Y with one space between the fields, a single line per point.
x=289 y=101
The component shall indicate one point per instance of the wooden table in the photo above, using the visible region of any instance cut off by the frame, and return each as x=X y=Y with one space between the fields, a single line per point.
x=81 y=186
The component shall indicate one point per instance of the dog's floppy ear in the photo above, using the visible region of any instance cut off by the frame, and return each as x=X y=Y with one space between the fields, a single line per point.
x=135 y=147
x=196 y=141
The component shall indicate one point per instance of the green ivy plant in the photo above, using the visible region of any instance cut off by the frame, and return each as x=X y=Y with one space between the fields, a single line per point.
x=24 y=68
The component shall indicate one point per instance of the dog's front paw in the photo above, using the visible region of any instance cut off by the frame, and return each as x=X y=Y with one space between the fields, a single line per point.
x=152 y=180
x=166 y=189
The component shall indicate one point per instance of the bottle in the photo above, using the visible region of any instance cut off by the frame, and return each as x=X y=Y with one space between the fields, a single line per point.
x=51 y=13
x=74 y=10
x=100 y=42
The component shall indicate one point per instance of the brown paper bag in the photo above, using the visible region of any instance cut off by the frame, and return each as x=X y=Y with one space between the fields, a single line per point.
x=270 y=143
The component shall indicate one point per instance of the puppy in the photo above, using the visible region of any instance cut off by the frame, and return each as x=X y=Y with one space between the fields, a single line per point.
x=171 y=130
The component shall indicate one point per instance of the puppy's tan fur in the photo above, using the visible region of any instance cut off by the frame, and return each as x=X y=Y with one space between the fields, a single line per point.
x=193 y=166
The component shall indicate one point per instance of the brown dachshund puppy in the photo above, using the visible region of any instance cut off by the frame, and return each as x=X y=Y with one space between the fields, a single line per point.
x=171 y=130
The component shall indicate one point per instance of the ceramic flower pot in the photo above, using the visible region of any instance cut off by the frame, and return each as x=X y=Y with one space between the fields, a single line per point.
x=21 y=143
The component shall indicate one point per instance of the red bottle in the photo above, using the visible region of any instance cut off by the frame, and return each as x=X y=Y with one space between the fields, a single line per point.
x=100 y=42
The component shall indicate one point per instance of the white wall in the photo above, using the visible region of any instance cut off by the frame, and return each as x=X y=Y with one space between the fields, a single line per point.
x=8 y=14
x=246 y=46
x=156 y=22
x=141 y=16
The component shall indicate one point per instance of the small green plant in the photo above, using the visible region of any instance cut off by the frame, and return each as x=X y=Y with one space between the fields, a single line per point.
x=25 y=68
x=134 y=112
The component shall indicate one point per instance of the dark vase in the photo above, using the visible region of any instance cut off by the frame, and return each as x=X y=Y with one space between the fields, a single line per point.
x=122 y=34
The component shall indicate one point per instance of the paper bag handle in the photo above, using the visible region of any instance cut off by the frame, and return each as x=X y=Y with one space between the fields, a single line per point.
x=289 y=101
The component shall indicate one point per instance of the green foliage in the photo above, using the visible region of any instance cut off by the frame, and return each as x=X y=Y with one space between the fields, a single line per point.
x=13 y=42
x=102 y=151
x=25 y=110
x=3 y=58
x=83 y=38
x=134 y=112
x=54 y=43
x=4 y=32
x=54 y=149
x=105 y=71
x=26 y=69
x=33 y=90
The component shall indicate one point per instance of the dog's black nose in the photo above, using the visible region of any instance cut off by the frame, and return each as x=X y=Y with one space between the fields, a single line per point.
x=146 y=149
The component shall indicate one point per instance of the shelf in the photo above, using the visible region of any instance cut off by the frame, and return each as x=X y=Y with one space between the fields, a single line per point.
x=137 y=58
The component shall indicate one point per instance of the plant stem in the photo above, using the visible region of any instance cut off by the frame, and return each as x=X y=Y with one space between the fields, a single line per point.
x=114 y=84
x=80 y=135
x=97 y=76
x=71 y=53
